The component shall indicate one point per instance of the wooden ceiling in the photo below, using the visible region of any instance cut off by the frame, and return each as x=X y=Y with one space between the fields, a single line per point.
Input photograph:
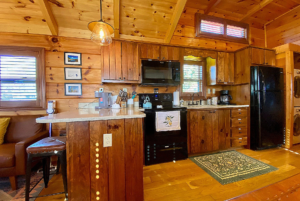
x=145 y=20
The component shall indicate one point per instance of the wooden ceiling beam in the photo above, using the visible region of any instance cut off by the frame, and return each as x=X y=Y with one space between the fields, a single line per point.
x=117 y=18
x=255 y=9
x=175 y=19
x=49 y=17
x=211 y=5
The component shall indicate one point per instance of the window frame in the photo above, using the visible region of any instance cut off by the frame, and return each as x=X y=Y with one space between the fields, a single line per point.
x=40 y=102
x=198 y=33
x=198 y=95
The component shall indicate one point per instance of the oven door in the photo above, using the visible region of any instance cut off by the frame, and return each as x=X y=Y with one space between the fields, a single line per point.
x=158 y=73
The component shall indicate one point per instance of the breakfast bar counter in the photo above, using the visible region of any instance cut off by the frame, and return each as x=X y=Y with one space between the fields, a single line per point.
x=103 y=173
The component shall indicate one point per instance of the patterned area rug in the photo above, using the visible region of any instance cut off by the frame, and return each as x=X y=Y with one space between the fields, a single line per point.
x=36 y=184
x=231 y=166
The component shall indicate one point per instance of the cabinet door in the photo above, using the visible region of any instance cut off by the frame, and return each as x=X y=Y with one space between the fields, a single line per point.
x=224 y=129
x=175 y=54
x=130 y=62
x=229 y=68
x=221 y=67
x=257 y=56
x=112 y=61
x=198 y=133
x=270 y=57
x=164 y=53
x=214 y=127
x=149 y=51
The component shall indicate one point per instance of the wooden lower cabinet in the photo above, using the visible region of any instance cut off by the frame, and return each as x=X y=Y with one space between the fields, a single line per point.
x=105 y=173
x=212 y=130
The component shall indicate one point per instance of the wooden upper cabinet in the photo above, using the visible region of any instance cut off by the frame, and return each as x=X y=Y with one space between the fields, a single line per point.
x=263 y=57
x=270 y=57
x=156 y=52
x=149 y=51
x=257 y=56
x=221 y=67
x=224 y=69
x=120 y=62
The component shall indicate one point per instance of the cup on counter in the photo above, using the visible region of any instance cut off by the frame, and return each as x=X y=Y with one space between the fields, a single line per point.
x=208 y=101
x=136 y=104
x=203 y=102
x=130 y=103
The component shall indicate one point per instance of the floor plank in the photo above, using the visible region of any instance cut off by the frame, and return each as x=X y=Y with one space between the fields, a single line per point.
x=185 y=181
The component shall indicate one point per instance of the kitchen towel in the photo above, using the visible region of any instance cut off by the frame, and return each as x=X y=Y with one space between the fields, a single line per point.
x=167 y=121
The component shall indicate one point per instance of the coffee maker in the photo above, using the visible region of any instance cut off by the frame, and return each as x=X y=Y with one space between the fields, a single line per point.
x=225 y=98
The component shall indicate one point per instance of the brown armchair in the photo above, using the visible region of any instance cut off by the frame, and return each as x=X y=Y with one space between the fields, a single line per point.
x=22 y=131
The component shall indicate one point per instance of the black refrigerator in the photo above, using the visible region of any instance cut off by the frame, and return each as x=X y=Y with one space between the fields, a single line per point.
x=267 y=107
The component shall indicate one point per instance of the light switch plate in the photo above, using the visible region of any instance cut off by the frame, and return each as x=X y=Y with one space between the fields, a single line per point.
x=107 y=140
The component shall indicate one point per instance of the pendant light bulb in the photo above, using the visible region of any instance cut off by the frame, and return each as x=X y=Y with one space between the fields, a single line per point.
x=101 y=35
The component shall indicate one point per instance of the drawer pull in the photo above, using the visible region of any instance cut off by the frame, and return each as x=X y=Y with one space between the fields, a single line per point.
x=240 y=138
x=240 y=113
x=240 y=132
x=239 y=119
x=240 y=122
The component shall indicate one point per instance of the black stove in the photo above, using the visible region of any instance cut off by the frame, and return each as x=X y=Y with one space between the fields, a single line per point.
x=163 y=146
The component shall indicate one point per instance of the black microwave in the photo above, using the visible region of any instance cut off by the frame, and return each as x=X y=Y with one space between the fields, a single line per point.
x=160 y=73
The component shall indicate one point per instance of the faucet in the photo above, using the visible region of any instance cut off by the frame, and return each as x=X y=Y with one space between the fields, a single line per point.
x=193 y=99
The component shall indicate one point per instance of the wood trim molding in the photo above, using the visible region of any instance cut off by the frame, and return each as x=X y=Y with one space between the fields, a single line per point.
x=255 y=9
x=174 y=20
x=211 y=5
x=117 y=18
x=47 y=12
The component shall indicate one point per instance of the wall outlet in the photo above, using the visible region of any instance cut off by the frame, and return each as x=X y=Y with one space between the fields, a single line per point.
x=101 y=89
x=107 y=140
x=125 y=89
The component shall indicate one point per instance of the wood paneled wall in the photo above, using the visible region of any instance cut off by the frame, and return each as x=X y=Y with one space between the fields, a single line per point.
x=284 y=29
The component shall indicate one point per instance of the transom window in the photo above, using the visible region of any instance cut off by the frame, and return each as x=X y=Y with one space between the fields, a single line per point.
x=22 y=79
x=219 y=28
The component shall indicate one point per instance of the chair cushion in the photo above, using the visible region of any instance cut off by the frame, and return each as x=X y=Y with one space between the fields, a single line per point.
x=3 y=127
x=22 y=127
x=7 y=155
x=48 y=144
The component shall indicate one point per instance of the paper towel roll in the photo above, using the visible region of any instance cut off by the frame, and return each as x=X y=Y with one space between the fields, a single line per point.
x=176 y=98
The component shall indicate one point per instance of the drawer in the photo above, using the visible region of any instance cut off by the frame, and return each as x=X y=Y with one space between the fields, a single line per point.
x=239 y=132
x=239 y=112
x=239 y=122
x=236 y=142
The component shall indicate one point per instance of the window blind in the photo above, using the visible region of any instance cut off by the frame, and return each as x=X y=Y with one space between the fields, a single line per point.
x=18 y=78
x=192 y=76
x=212 y=27
x=237 y=32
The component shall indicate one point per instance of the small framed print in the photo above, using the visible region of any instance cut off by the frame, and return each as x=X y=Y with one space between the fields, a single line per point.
x=73 y=89
x=73 y=58
x=73 y=73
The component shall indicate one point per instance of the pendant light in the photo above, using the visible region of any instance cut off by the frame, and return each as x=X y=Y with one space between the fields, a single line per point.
x=101 y=31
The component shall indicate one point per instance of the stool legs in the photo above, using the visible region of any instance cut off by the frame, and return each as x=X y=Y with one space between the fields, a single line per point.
x=46 y=170
x=63 y=162
x=58 y=165
x=28 y=174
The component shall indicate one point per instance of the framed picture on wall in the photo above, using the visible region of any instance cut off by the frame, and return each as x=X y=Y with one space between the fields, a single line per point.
x=73 y=58
x=73 y=89
x=73 y=73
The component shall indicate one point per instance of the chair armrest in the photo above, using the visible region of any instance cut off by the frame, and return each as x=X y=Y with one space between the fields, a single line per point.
x=20 y=151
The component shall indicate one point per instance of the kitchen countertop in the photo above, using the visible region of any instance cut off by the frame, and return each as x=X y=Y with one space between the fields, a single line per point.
x=91 y=114
x=215 y=106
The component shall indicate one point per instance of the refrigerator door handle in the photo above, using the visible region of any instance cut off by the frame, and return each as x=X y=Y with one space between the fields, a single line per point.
x=263 y=86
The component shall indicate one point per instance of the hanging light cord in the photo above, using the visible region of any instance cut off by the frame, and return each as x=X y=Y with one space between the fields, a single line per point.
x=101 y=10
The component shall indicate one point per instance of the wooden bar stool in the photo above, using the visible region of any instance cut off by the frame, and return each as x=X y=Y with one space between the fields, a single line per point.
x=44 y=149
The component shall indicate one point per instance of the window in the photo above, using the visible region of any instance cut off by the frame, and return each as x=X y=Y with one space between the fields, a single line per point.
x=193 y=76
x=22 y=78
x=219 y=28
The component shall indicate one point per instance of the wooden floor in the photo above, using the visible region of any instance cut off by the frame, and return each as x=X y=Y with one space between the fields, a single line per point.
x=184 y=180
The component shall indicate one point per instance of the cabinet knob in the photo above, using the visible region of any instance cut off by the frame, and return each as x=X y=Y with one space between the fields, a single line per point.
x=240 y=122
x=202 y=141
x=157 y=57
x=124 y=78
x=163 y=57
x=120 y=78
x=203 y=117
